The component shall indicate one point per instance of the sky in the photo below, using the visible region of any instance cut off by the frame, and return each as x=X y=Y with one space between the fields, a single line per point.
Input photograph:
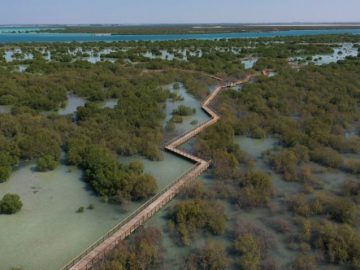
x=176 y=11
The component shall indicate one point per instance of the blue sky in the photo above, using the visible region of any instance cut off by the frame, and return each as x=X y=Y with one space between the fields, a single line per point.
x=177 y=11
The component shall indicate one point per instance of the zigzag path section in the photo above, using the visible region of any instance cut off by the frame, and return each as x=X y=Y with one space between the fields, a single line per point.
x=97 y=252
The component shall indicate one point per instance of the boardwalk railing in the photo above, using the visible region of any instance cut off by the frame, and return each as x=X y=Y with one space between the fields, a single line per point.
x=106 y=243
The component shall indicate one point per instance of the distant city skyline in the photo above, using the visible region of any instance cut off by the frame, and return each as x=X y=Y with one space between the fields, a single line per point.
x=177 y=12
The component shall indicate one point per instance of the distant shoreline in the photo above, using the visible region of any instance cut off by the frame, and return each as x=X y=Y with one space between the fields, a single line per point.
x=191 y=29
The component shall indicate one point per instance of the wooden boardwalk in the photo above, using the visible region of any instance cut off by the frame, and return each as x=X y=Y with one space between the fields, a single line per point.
x=99 y=249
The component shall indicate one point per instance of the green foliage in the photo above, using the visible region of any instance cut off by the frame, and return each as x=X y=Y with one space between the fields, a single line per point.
x=176 y=119
x=144 y=251
x=304 y=262
x=5 y=172
x=183 y=111
x=192 y=215
x=256 y=189
x=250 y=252
x=46 y=163
x=351 y=189
x=212 y=256
x=10 y=204
x=143 y=187
x=343 y=210
x=327 y=157
x=110 y=178
x=340 y=243
x=285 y=162
x=217 y=144
x=312 y=108
x=338 y=208
x=352 y=166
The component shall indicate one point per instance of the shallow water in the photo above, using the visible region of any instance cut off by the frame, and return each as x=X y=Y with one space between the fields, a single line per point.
x=340 y=53
x=200 y=116
x=49 y=220
x=165 y=171
x=346 y=50
x=48 y=232
x=255 y=147
x=261 y=218
x=165 y=55
x=110 y=103
x=249 y=63
x=22 y=68
x=72 y=104
x=10 y=55
x=5 y=108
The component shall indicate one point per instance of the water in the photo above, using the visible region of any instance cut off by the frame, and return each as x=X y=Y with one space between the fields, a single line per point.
x=165 y=55
x=272 y=74
x=249 y=63
x=200 y=116
x=165 y=171
x=5 y=37
x=22 y=29
x=5 y=108
x=48 y=232
x=110 y=103
x=10 y=55
x=339 y=54
x=22 y=68
x=255 y=147
x=175 y=255
x=72 y=104
x=346 y=50
x=261 y=218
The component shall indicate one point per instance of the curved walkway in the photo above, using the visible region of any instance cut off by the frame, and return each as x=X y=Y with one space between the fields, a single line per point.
x=98 y=250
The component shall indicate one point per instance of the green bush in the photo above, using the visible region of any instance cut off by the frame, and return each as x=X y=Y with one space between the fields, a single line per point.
x=10 y=204
x=5 y=172
x=340 y=243
x=304 y=262
x=256 y=189
x=183 y=111
x=212 y=256
x=46 y=163
x=250 y=252
x=191 y=215
x=285 y=162
x=343 y=210
x=327 y=157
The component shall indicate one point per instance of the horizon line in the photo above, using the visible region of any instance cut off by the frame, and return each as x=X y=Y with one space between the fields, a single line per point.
x=191 y=23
